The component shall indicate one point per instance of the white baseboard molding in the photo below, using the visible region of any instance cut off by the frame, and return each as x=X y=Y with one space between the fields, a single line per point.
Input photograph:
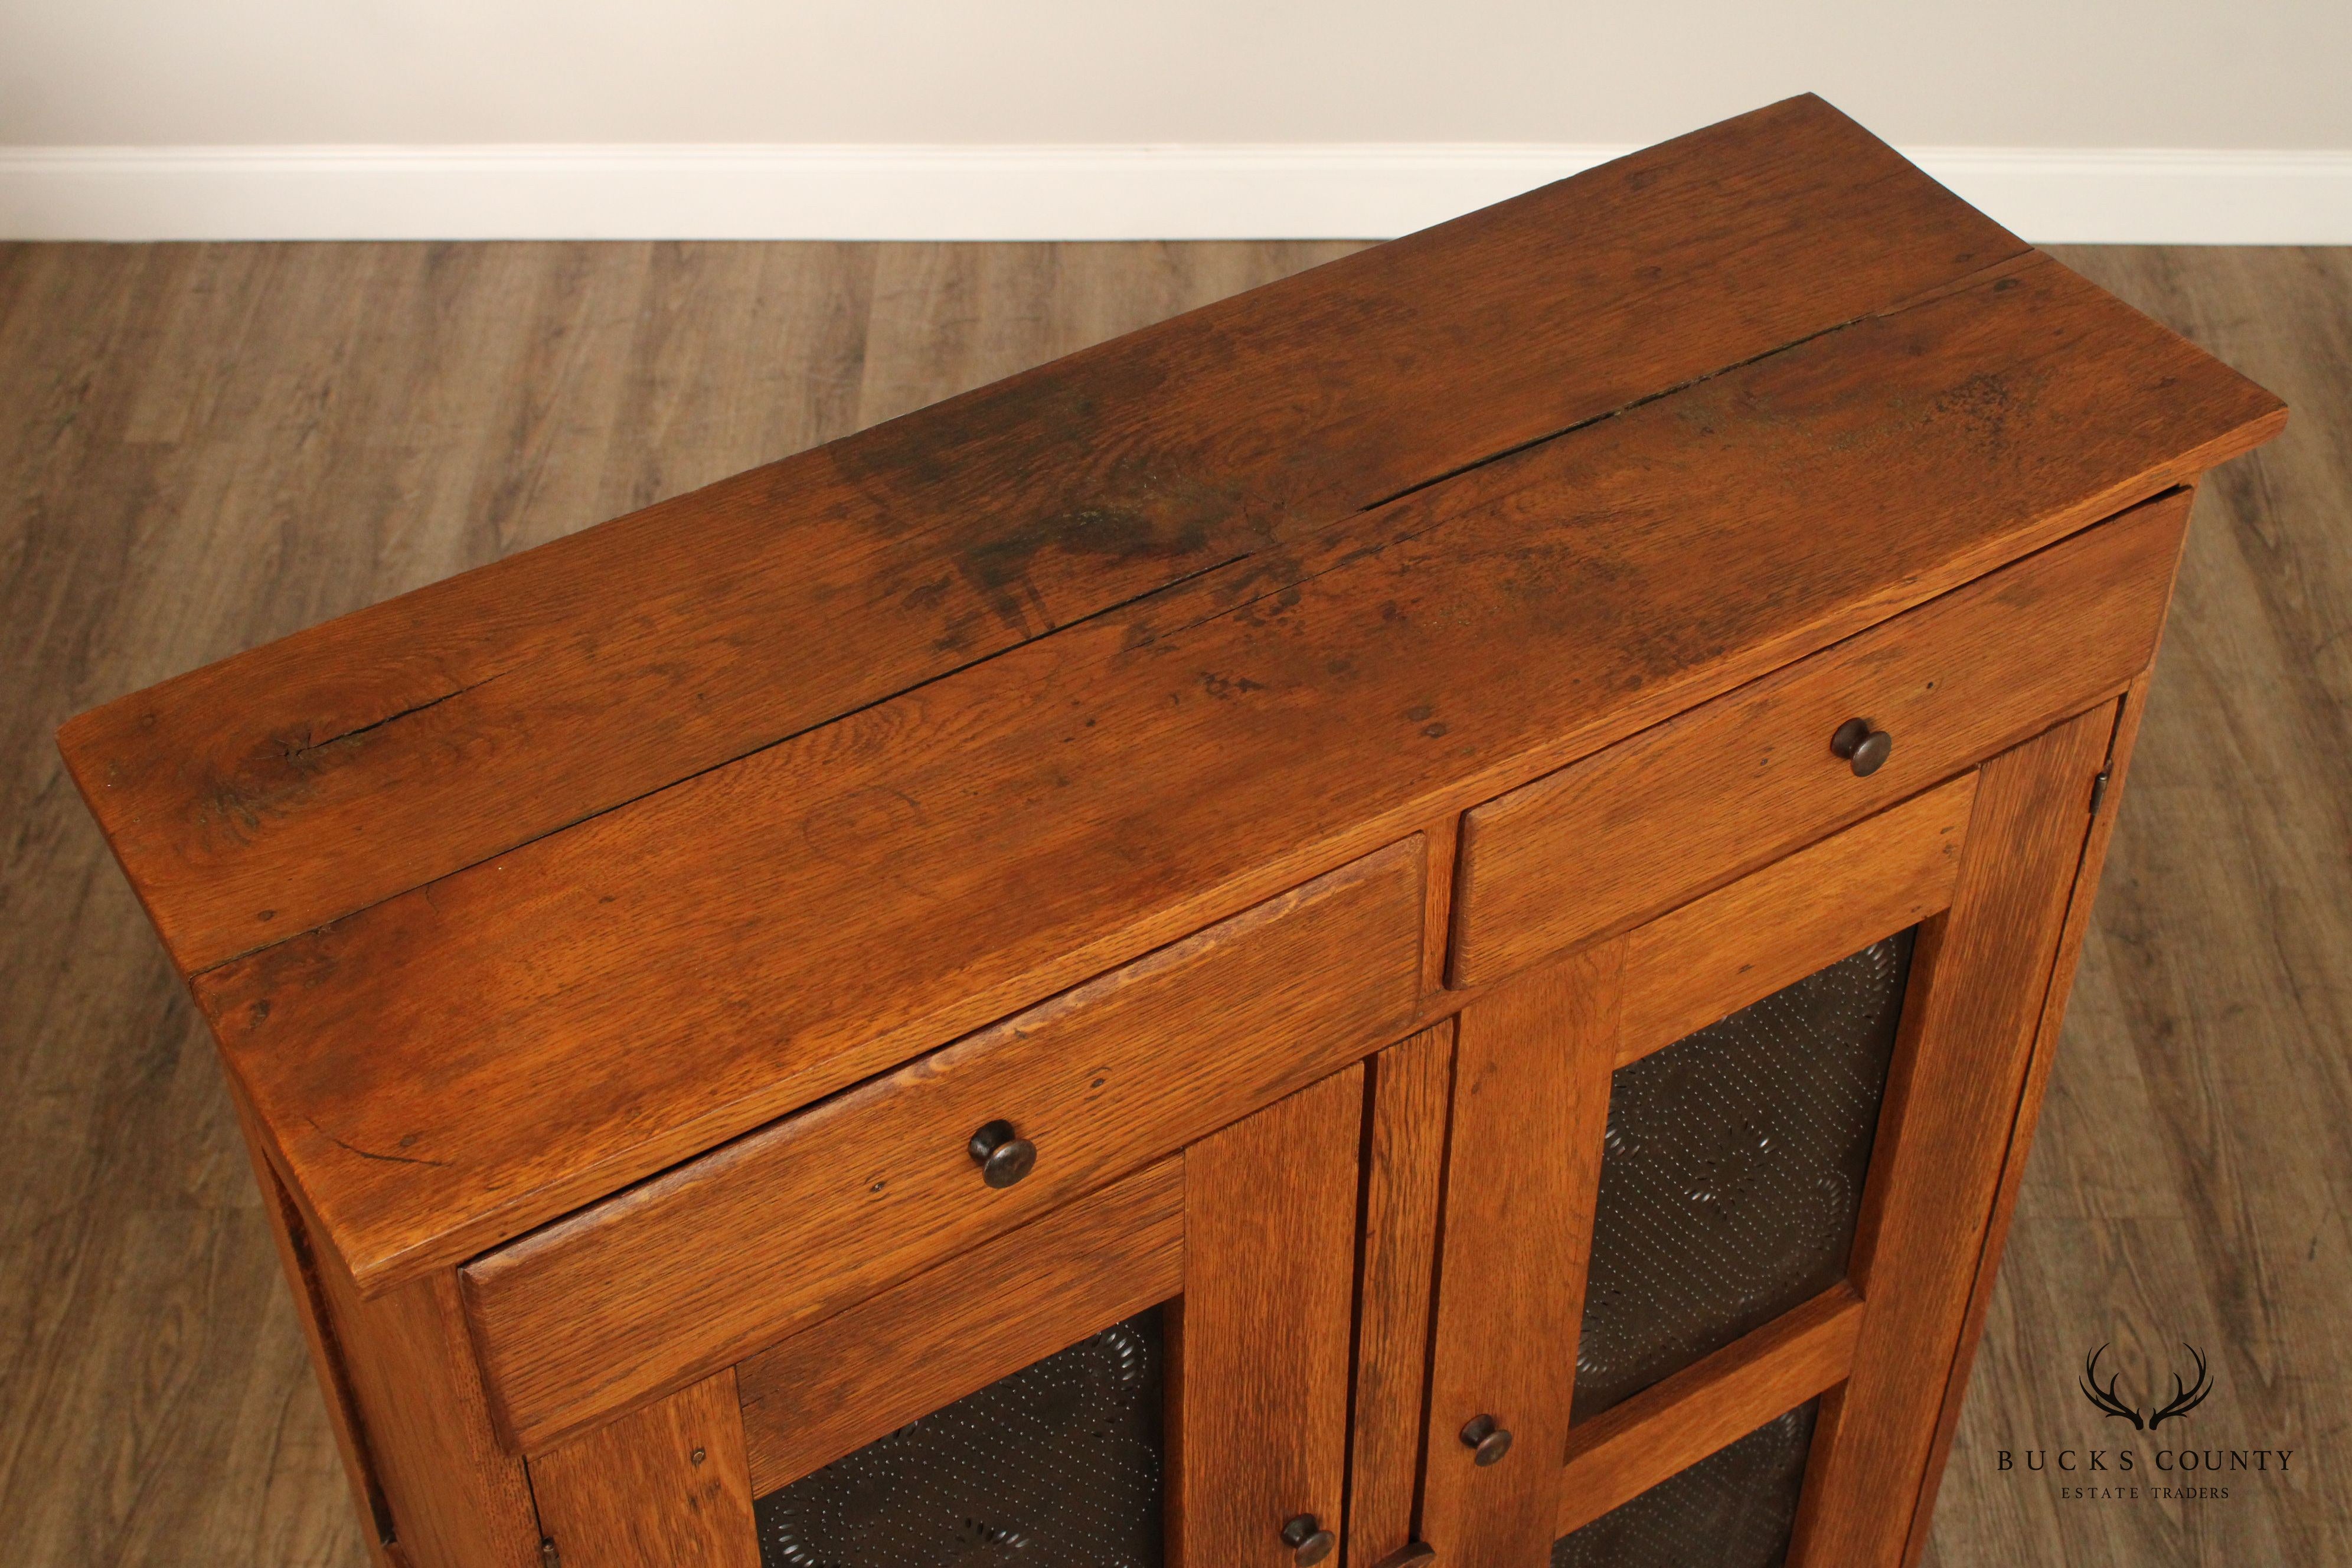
x=2049 y=195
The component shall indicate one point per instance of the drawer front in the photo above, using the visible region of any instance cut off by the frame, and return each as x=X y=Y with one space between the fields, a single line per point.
x=696 y=1268
x=1736 y=783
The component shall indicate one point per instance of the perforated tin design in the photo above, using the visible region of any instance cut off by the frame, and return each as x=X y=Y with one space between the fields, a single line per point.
x=1058 y=1466
x=1733 y=1172
x=1732 y=1509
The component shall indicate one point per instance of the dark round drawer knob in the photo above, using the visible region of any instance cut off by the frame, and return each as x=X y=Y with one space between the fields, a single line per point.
x=1485 y=1441
x=1307 y=1539
x=1864 y=744
x=1002 y=1156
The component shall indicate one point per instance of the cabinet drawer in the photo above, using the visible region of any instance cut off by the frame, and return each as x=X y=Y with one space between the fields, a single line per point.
x=1683 y=807
x=697 y=1267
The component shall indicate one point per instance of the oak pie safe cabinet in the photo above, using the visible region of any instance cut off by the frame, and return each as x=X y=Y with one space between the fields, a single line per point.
x=1416 y=917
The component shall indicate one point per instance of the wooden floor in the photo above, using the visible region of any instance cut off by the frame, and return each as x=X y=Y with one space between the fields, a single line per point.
x=205 y=446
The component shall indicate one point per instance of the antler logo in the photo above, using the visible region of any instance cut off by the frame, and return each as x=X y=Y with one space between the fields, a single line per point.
x=2184 y=1398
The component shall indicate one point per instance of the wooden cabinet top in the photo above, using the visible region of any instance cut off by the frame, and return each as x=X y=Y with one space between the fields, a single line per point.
x=511 y=891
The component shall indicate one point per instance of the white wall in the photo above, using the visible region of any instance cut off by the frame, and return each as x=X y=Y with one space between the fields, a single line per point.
x=2065 y=73
x=239 y=99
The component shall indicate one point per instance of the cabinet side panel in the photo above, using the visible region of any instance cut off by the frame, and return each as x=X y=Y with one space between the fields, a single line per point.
x=1981 y=978
x=328 y=1357
x=458 y=1498
x=1260 y=1400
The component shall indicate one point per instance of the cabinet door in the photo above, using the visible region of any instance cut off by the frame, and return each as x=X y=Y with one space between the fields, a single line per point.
x=1718 y=1190
x=1156 y=1372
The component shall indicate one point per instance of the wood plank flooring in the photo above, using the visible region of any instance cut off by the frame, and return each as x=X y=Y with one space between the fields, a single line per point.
x=205 y=446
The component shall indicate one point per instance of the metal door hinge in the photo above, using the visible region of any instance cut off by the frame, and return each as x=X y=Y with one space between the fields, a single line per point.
x=2099 y=787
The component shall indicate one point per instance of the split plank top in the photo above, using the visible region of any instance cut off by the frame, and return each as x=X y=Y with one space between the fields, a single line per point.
x=518 y=888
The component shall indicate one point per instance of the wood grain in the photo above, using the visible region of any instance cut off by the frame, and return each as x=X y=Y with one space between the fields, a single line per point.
x=611 y=999
x=1980 y=977
x=296 y=784
x=1750 y=775
x=693 y=1271
x=663 y=1486
x=1259 y=1384
x=1404 y=1171
x=1443 y=837
x=299 y=1260
x=2187 y=1180
x=1670 y=1426
x=862 y=1373
x=2200 y=1072
x=456 y=1499
x=1800 y=914
x=1522 y=1171
x=205 y=446
x=2076 y=926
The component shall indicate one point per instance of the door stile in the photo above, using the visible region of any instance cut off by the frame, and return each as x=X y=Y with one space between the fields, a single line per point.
x=2133 y=707
x=669 y=1485
x=1410 y=1098
x=1533 y=1061
x=1979 y=981
x=1259 y=1364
